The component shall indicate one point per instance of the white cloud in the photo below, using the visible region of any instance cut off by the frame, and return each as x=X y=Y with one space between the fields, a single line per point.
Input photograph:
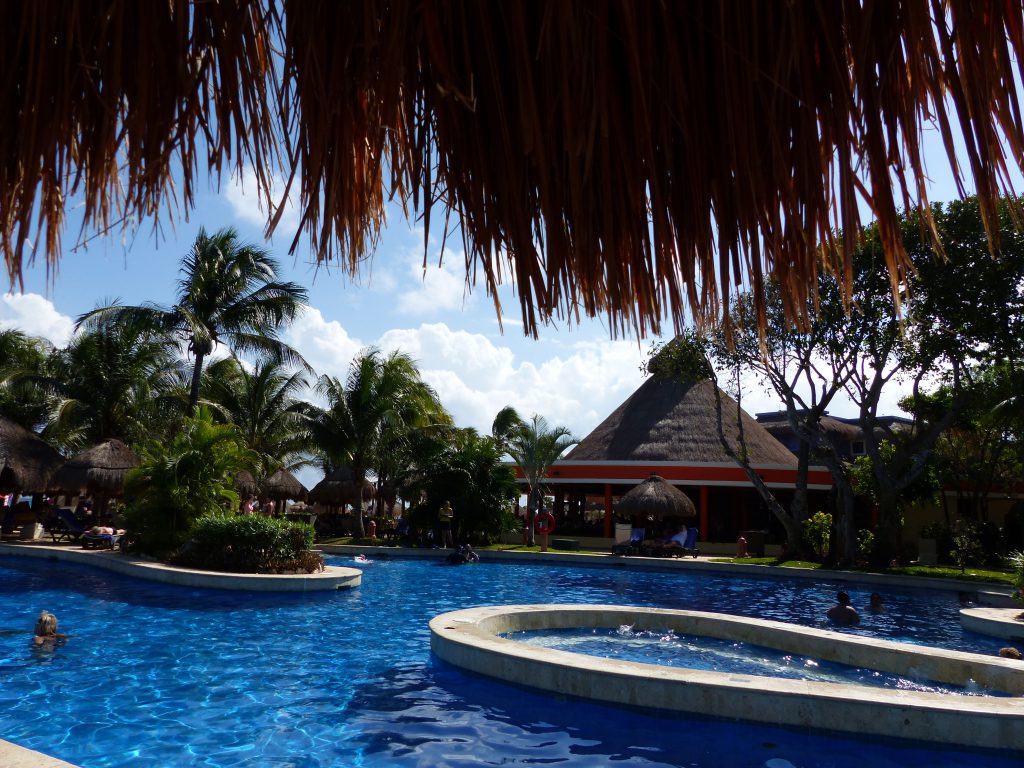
x=35 y=315
x=326 y=345
x=243 y=195
x=475 y=377
x=436 y=289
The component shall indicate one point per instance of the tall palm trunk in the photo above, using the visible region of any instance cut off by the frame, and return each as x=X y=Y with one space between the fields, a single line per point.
x=193 y=393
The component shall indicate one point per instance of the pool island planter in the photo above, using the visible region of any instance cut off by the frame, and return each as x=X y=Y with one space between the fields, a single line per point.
x=332 y=578
x=470 y=639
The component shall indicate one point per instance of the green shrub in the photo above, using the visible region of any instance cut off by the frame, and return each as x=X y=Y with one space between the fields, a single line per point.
x=182 y=479
x=817 y=530
x=250 y=544
x=865 y=544
x=967 y=549
x=1016 y=562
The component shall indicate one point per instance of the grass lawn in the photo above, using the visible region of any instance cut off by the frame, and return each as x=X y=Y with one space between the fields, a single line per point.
x=929 y=571
x=981 y=575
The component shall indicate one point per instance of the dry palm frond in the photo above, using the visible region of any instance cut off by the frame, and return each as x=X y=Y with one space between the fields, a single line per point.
x=631 y=159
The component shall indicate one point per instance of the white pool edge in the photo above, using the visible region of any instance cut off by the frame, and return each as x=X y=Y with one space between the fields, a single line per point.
x=332 y=578
x=470 y=639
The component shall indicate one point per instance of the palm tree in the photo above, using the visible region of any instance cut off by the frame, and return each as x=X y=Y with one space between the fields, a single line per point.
x=368 y=417
x=534 y=446
x=112 y=381
x=228 y=293
x=263 y=404
x=21 y=355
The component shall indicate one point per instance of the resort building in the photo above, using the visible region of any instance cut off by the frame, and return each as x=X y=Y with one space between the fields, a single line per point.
x=676 y=430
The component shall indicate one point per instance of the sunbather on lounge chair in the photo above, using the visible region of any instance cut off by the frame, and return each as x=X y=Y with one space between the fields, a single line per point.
x=101 y=537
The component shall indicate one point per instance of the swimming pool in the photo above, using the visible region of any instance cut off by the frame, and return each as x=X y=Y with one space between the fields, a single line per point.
x=156 y=675
x=668 y=648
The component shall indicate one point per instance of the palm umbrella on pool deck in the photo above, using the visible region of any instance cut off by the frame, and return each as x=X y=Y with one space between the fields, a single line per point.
x=283 y=485
x=339 y=488
x=99 y=472
x=245 y=484
x=656 y=497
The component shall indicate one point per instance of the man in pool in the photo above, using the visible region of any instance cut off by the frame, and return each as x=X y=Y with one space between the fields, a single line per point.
x=842 y=613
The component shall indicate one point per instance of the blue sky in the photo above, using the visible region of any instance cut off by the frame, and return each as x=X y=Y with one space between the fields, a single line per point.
x=572 y=376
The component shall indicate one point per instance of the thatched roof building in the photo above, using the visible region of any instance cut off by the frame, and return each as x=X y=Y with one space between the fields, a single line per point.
x=26 y=461
x=598 y=147
x=845 y=434
x=245 y=484
x=670 y=421
x=101 y=470
x=672 y=429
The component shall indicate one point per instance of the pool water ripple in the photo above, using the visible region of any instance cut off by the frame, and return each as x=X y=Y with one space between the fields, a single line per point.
x=155 y=675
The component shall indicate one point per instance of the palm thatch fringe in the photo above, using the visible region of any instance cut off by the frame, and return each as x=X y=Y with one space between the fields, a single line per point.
x=669 y=420
x=635 y=160
x=656 y=497
x=26 y=461
x=245 y=484
x=283 y=485
x=101 y=470
x=339 y=488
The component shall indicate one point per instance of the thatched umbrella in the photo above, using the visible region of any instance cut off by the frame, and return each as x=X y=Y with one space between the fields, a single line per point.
x=656 y=497
x=26 y=461
x=99 y=472
x=283 y=485
x=245 y=484
x=339 y=488
x=661 y=149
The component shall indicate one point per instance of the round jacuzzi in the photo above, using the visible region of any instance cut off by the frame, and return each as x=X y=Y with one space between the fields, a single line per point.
x=478 y=639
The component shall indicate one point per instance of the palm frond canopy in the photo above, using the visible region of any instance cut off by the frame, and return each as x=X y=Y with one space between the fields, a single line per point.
x=283 y=485
x=100 y=470
x=26 y=461
x=628 y=159
x=339 y=487
x=656 y=497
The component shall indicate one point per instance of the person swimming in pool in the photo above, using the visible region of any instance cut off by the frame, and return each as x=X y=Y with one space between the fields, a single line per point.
x=46 y=630
x=842 y=613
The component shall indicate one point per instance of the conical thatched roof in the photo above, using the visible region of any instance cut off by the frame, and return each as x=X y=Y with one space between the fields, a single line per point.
x=658 y=497
x=668 y=420
x=283 y=485
x=26 y=461
x=631 y=158
x=339 y=487
x=100 y=470
x=245 y=484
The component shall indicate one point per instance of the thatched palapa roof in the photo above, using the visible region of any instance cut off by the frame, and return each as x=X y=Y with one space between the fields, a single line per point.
x=101 y=469
x=339 y=487
x=630 y=159
x=245 y=483
x=670 y=420
x=26 y=461
x=283 y=485
x=658 y=497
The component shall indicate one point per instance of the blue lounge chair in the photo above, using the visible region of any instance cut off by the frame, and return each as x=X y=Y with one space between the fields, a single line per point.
x=631 y=547
x=63 y=525
x=690 y=546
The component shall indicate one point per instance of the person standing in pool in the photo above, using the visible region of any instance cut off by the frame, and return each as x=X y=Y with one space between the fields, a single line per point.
x=46 y=630
x=842 y=613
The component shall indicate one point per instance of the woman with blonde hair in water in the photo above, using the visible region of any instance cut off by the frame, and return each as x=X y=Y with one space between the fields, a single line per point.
x=46 y=629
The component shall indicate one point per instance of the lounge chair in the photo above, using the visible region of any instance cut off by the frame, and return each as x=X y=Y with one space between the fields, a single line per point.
x=100 y=540
x=670 y=549
x=632 y=546
x=63 y=525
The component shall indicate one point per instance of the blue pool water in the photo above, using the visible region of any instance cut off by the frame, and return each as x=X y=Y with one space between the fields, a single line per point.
x=155 y=675
x=667 y=648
